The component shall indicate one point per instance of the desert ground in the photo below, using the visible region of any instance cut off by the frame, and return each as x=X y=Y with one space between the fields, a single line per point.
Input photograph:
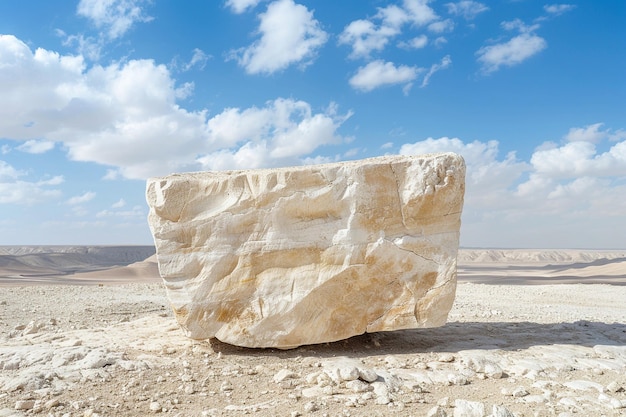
x=88 y=331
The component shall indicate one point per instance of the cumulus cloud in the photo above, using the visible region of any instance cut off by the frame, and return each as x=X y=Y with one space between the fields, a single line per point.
x=580 y=158
x=590 y=133
x=126 y=116
x=115 y=17
x=419 y=12
x=467 y=9
x=380 y=73
x=510 y=53
x=365 y=37
x=288 y=35
x=36 y=146
x=280 y=133
x=417 y=42
x=558 y=190
x=240 y=6
x=370 y=35
x=87 y=46
x=514 y=51
x=80 y=199
x=441 y=26
x=15 y=190
x=558 y=9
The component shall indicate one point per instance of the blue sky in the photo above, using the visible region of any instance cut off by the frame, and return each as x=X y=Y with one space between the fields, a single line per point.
x=98 y=95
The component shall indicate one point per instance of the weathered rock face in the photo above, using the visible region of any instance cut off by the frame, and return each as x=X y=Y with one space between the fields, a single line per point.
x=311 y=254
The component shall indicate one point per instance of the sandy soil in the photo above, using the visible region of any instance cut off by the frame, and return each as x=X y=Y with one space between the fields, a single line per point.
x=553 y=348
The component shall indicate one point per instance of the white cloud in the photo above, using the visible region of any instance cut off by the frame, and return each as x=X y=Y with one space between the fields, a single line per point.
x=445 y=63
x=558 y=9
x=281 y=133
x=116 y=17
x=126 y=116
x=380 y=73
x=510 y=53
x=135 y=212
x=13 y=190
x=517 y=24
x=441 y=26
x=289 y=35
x=80 y=199
x=420 y=13
x=240 y=6
x=36 y=146
x=417 y=42
x=7 y=172
x=440 y=41
x=577 y=159
x=119 y=204
x=590 y=133
x=87 y=46
x=365 y=36
x=467 y=8
x=199 y=60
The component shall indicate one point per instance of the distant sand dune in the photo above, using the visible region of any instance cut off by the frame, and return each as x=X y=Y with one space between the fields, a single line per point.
x=523 y=266
x=27 y=265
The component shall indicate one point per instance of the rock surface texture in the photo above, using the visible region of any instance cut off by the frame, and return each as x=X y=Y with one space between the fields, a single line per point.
x=294 y=256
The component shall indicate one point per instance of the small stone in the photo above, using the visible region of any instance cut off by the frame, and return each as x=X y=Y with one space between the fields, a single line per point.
x=614 y=387
x=437 y=411
x=310 y=407
x=501 y=411
x=284 y=374
x=226 y=386
x=458 y=379
x=348 y=373
x=52 y=403
x=358 y=386
x=24 y=404
x=383 y=400
x=493 y=370
x=155 y=406
x=446 y=357
x=464 y=408
x=367 y=375
x=519 y=392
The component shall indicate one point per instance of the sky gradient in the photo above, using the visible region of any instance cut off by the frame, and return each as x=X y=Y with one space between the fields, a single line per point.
x=98 y=95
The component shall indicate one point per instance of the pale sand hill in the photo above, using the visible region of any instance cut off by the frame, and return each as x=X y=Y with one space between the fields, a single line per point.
x=77 y=264
x=115 y=350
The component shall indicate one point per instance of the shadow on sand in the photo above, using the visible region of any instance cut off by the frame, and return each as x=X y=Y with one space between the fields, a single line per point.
x=453 y=337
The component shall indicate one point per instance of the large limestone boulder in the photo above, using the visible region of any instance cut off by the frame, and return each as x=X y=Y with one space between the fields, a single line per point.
x=310 y=254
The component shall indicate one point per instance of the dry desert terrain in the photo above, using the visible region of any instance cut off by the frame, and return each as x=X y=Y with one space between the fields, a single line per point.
x=87 y=331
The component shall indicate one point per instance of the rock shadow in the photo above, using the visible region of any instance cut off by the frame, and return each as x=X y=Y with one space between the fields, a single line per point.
x=452 y=337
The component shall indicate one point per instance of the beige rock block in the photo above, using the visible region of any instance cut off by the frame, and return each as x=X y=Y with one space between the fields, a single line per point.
x=310 y=254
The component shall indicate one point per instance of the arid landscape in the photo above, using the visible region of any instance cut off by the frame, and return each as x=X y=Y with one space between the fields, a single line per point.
x=88 y=331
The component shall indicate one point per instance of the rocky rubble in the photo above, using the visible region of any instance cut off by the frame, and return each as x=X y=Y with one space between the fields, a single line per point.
x=480 y=364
